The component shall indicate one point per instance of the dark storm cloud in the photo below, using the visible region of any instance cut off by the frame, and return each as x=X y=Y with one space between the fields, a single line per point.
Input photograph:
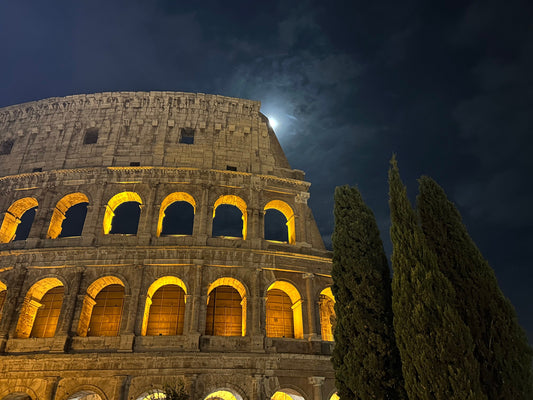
x=445 y=85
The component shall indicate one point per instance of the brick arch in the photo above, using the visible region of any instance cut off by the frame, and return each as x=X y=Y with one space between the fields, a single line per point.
x=18 y=393
x=238 y=202
x=225 y=391
x=326 y=303
x=288 y=393
x=296 y=299
x=62 y=206
x=170 y=199
x=31 y=304
x=90 y=300
x=157 y=284
x=12 y=217
x=113 y=203
x=80 y=391
x=288 y=212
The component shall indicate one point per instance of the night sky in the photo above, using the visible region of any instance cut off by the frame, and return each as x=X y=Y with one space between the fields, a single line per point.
x=447 y=86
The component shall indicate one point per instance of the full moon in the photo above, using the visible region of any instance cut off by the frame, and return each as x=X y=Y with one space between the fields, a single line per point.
x=273 y=123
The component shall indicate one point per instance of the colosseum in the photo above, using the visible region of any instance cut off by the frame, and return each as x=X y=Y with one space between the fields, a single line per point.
x=149 y=238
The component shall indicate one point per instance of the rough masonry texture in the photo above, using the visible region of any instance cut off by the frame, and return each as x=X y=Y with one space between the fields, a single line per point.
x=157 y=149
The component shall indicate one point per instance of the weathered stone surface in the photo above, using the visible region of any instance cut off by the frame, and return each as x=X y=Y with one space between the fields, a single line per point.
x=141 y=147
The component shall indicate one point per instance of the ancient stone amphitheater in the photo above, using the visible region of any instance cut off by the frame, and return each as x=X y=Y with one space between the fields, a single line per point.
x=148 y=239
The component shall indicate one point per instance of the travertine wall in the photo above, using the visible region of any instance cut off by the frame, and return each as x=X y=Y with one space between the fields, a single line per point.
x=145 y=128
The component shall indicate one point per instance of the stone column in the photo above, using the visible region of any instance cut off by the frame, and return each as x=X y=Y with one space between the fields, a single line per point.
x=309 y=309
x=317 y=382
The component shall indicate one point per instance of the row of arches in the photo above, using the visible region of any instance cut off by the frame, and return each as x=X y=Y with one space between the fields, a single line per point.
x=164 y=309
x=123 y=210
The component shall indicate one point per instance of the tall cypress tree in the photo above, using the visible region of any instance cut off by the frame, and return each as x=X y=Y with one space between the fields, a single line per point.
x=435 y=345
x=365 y=358
x=501 y=346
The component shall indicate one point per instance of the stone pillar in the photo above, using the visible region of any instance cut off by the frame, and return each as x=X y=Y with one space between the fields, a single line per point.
x=311 y=333
x=317 y=382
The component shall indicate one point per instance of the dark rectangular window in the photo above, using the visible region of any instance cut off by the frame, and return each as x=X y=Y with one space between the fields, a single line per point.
x=135 y=164
x=230 y=168
x=6 y=146
x=187 y=136
x=37 y=170
x=91 y=136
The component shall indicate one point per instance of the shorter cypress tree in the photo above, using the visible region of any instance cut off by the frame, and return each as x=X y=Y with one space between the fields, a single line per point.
x=365 y=358
x=501 y=346
x=435 y=345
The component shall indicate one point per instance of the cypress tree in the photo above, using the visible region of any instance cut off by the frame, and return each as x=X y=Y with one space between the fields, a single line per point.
x=435 y=345
x=365 y=358
x=501 y=346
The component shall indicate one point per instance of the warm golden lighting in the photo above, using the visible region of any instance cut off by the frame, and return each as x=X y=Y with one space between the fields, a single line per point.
x=327 y=313
x=277 y=310
x=89 y=302
x=222 y=395
x=113 y=203
x=170 y=199
x=59 y=212
x=237 y=202
x=164 y=310
x=107 y=312
x=32 y=303
x=12 y=218
x=286 y=210
x=226 y=308
x=335 y=396
x=285 y=396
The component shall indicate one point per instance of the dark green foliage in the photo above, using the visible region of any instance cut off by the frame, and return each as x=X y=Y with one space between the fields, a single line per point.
x=365 y=357
x=176 y=391
x=501 y=346
x=435 y=345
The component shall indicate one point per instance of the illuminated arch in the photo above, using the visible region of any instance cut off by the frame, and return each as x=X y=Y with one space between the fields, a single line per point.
x=18 y=393
x=90 y=301
x=170 y=199
x=287 y=394
x=113 y=203
x=326 y=305
x=237 y=202
x=296 y=306
x=239 y=287
x=32 y=303
x=287 y=211
x=334 y=396
x=154 y=287
x=12 y=217
x=3 y=295
x=60 y=210
x=223 y=395
x=89 y=393
x=153 y=394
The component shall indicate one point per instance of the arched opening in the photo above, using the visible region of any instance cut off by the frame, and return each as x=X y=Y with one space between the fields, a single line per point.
x=18 y=220
x=176 y=215
x=279 y=222
x=102 y=308
x=230 y=217
x=284 y=311
x=17 y=396
x=334 y=396
x=287 y=394
x=223 y=395
x=40 y=311
x=154 y=394
x=326 y=305
x=226 y=308
x=167 y=311
x=85 y=395
x=122 y=214
x=68 y=217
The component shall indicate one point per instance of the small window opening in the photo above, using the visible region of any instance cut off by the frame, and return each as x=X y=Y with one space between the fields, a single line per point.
x=6 y=146
x=276 y=226
x=230 y=168
x=135 y=164
x=37 y=169
x=26 y=221
x=91 y=136
x=187 y=136
x=228 y=221
x=126 y=219
x=74 y=220
x=179 y=219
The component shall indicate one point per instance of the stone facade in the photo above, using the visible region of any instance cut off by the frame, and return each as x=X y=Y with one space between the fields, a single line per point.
x=155 y=148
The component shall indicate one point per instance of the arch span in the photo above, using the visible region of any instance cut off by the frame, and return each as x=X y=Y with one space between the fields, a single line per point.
x=287 y=211
x=236 y=201
x=169 y=200
x=60 y=210
x=113 y=203
x=13 y=216
x=277 y=310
